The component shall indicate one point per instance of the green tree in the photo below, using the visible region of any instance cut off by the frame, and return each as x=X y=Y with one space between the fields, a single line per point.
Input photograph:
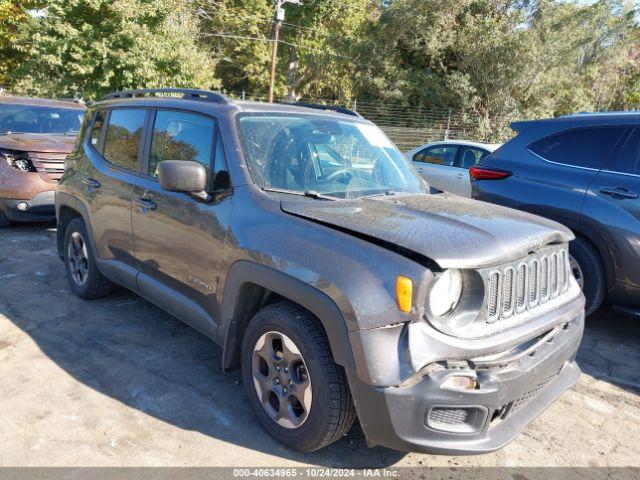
x=13 y=16
x=89 y=47
x=504 y=59
x=320 y=54
x=236 y=32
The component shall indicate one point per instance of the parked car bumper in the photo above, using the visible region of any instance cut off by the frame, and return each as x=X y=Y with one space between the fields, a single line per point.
x=40 y=208
x=424 y=417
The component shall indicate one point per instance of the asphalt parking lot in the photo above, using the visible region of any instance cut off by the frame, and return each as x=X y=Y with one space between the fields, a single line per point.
x=118 y=382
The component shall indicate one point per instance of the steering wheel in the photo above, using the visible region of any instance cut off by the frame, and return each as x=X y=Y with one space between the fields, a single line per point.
x=342 y=172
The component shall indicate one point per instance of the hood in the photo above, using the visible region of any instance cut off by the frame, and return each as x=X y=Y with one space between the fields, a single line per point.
x=452 y=231
x=38 y=142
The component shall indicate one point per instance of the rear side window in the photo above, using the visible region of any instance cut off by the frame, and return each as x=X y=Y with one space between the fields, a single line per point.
x=122 y=140
x=584 y=147
x=627 y=158
x=470 y=156
x=442 y=155
x=96 y=128
x=181 y=136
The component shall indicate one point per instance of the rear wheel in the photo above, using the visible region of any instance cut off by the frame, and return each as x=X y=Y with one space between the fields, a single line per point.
x=85 y=279
x=299 y=394
x=589 y=272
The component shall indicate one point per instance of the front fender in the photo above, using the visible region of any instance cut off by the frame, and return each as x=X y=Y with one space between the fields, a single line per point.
x=296 y=290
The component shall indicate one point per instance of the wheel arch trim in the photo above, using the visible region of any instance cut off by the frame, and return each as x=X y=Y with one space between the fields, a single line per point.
x=245 y=272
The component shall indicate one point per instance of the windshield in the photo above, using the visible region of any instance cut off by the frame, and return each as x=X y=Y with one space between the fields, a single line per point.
x=36 y=119
x=333 y=157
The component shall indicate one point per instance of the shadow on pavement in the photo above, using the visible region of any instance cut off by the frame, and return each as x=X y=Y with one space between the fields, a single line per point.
x=130 y=350
x=610 y=349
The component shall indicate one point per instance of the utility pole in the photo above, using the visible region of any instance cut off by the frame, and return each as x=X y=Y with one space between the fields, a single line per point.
x=279 y=18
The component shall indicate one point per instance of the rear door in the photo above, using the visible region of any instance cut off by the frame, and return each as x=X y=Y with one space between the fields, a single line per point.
x=114 y=151
x=554 y=184
x=612 y=208
x=468 y=156
x=436 y=165
x=179 y=239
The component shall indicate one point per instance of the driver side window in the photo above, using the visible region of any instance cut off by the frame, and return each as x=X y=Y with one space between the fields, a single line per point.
x=182 y=136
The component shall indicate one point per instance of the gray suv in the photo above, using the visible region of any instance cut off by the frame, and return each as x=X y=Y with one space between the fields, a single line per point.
x=301 y=241
x=583 y=171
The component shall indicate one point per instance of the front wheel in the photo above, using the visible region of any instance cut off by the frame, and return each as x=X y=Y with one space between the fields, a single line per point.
x=299 y=394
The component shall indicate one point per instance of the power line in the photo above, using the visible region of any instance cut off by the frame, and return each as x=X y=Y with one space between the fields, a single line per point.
x=269 y=40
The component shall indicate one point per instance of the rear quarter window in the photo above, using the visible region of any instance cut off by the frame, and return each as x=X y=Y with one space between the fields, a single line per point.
x=627 y=158
x=581 y=147
x=96 y=128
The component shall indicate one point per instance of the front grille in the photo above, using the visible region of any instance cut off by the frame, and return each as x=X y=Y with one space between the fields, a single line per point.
x=515 y=405
x=531 y=394
x=49 y=165
x=537 y=279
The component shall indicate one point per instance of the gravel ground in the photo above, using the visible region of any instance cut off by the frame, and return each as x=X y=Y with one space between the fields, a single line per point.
x=118 y=382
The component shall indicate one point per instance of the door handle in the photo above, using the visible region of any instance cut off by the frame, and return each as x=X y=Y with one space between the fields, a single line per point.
x=618 y=192
x=91 y=183
x=146 y=204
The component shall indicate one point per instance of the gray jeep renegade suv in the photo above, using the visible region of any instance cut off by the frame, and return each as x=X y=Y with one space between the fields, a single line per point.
x=301 y=241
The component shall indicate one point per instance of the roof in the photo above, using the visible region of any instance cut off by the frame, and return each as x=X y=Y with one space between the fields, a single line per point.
x=155 y=96
x=290 y=108
x=594 y=118
x=43 y=102
x=467 y=143
x=602 y=114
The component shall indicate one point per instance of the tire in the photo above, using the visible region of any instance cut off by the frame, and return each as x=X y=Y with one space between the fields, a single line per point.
x=592 y=272
x=4 y=221
x=329 y=412
x=85 y=279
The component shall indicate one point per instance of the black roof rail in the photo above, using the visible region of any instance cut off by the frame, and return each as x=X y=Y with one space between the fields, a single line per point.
x=72 y=100
x=333 y=108
x=187 y=94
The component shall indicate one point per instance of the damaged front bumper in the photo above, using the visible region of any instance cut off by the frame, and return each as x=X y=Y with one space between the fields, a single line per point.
x=513 y=388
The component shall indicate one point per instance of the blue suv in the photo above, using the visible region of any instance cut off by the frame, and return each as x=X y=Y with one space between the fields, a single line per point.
x=583 y=171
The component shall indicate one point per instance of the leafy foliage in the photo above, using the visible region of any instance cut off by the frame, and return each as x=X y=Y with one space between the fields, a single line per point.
x=88 y=47
x=316 y=51
x=486 y=58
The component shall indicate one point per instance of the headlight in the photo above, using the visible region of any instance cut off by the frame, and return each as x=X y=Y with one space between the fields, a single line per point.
x=445 y=292
x=18 y=161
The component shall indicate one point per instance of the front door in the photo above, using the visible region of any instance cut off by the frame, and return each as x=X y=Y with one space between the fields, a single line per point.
x=179 y=239
x=612 y=208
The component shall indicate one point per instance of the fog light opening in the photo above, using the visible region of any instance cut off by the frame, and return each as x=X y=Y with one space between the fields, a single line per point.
x=23 y=206
x=458 y=382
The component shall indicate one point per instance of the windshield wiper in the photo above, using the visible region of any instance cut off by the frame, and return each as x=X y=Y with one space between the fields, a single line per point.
x=306 y=193
x=385 y=193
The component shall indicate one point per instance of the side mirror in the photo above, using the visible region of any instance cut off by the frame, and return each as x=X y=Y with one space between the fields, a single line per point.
x=182 y=176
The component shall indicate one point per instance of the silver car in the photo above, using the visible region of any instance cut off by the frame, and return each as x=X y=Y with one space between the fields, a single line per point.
x=445 y=165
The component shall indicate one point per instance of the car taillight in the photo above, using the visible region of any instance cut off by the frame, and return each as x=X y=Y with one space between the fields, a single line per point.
x=485 y=173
